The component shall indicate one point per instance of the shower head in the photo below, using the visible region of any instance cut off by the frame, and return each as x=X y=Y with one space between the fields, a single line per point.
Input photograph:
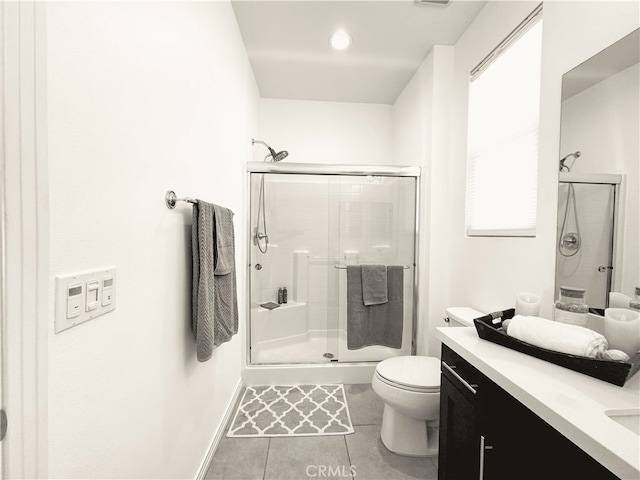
x=563 y=166
x=275 y=156
x=278 y=157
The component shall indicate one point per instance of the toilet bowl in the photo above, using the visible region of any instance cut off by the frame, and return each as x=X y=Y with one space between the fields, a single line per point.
x=409 y=386
x=410 y=390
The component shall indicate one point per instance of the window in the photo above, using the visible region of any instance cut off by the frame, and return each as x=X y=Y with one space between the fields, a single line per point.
x=502 y=145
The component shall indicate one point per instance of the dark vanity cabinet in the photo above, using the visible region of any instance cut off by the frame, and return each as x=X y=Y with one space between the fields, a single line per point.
x=459 y=420
x=485 y=433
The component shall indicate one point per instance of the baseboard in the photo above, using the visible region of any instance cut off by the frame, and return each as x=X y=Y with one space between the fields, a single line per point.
x=206 y=463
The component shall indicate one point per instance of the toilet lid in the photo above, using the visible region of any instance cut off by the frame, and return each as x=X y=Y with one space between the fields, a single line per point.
x=412 y=371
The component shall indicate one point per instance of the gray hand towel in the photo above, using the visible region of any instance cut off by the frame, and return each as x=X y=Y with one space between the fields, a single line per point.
x=375 y=324
x=225 y=291
x=214 y=301
x=202 y=293
x=374 y=284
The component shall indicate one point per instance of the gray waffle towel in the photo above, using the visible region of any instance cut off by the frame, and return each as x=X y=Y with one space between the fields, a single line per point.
x=202 y=292
x=214 y=305
x=374 y=324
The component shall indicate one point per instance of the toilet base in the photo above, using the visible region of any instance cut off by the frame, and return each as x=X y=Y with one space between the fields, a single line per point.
x=405 y=435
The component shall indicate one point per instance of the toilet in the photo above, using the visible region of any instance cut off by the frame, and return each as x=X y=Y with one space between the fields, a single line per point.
x=409 y=386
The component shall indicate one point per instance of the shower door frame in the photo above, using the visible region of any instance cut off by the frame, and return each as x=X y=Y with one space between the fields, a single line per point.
x=612 y=180
x=331 y=169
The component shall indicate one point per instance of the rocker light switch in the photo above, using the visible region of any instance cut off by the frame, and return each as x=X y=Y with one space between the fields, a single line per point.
x=92 y=295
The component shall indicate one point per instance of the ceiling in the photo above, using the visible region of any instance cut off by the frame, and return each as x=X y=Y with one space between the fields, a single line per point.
x=288 y=45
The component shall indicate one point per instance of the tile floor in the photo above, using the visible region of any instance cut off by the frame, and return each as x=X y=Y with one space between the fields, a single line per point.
x=358 y=456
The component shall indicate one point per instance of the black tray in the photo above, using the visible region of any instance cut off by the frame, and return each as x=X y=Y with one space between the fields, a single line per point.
x=616 y=372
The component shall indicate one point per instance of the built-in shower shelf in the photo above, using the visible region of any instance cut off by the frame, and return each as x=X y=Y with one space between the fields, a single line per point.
x=289 y=319
x=283 y=306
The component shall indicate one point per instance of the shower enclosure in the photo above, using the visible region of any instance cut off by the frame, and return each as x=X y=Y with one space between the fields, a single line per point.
x=586 y=230
x=307 y=223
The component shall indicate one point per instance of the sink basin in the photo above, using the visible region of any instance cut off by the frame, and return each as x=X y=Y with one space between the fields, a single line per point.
x=627 y=417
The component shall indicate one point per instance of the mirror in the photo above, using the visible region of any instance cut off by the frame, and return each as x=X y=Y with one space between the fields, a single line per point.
x=597 y=244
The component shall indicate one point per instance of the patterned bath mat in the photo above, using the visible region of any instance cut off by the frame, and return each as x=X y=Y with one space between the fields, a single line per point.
x=283 y=411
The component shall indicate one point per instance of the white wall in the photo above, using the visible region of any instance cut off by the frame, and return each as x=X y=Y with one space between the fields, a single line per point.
x=456 y=270
x=421 y=137
x=326 y=132
x=487 y=272
x=142 y=97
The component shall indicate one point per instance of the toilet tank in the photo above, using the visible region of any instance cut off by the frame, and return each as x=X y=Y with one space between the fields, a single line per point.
x=462 y=316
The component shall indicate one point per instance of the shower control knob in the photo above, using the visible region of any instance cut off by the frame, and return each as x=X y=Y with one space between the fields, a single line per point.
x=571 y=241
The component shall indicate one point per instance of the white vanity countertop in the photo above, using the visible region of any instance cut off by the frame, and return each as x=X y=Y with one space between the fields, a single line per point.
x=572 y=403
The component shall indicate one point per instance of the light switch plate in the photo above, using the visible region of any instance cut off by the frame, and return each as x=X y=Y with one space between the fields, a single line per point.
x=67 y=298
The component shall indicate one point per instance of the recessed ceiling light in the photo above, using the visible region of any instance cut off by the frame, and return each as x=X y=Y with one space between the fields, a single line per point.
x=340 y=40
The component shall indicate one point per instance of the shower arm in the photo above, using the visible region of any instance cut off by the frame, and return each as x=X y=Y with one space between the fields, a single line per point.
x=253 y=142
x=272 y=152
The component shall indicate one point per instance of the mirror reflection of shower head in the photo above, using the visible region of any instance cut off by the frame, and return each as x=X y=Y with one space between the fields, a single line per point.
x=563 y=166
x=275 y=156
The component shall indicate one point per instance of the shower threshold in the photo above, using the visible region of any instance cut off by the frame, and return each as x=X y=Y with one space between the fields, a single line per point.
x=299 y=374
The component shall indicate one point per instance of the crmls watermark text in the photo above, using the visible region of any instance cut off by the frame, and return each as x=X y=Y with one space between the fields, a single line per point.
x=333 y=471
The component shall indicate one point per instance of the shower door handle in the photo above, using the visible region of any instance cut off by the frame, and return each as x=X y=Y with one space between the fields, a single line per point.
x=604 y=268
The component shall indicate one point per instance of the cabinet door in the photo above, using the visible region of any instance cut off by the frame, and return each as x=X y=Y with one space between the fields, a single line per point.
x=525 y=447
x=459 y=434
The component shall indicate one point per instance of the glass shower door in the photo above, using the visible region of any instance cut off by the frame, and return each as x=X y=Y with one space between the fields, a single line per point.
x=304 y=229
x=288 y=227
x=376 y=226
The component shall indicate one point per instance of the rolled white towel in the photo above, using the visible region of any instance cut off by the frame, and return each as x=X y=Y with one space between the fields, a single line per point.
x=556 y=336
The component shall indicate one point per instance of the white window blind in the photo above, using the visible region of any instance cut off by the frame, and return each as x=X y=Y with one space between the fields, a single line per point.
x=502 y=148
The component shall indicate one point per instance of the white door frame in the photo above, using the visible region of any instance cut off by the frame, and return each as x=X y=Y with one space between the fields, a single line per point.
x=24 y=207
x=2 y=235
